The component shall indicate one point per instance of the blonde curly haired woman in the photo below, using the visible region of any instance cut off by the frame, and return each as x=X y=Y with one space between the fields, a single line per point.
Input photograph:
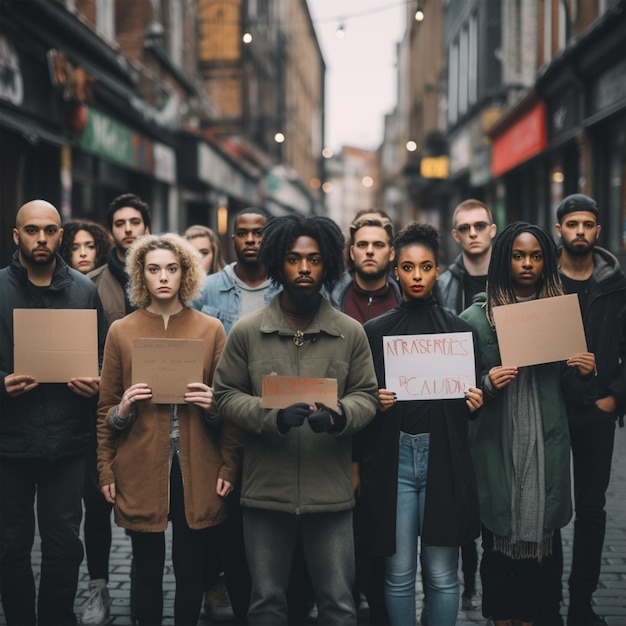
x=161 y=462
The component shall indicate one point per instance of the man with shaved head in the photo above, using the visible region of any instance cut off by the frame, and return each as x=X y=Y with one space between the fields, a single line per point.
x=44 y=431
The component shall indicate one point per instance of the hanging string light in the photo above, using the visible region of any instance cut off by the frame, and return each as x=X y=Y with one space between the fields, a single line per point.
x=419 y=14
x=341 y=31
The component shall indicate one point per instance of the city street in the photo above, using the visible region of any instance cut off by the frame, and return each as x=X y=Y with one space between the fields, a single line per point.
x=610 y=599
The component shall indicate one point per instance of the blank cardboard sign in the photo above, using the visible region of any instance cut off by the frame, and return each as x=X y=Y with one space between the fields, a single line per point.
x=167 y=366
x=54 y=345
x=540 y=331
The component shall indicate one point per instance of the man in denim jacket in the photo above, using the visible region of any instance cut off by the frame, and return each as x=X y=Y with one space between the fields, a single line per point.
x=241 y=287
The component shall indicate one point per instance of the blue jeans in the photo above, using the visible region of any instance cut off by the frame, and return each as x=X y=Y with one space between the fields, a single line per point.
x=328 y=543
x=440 y=562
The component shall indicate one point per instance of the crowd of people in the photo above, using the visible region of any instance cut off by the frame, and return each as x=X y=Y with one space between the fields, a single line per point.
x=281 y=510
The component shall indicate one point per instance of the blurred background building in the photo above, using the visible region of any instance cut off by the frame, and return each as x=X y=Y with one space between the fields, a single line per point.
x=515 y=102
x=204 y=107
x=201 y=107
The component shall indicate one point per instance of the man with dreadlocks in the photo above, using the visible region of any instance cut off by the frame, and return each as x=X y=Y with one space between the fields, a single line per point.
x=521 y=441
x=297 y=477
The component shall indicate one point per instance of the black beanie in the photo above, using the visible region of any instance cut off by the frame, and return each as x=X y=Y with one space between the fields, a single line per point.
x=576 y=202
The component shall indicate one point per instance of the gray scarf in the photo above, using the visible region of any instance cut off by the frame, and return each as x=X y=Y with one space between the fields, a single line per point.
x=524 y=440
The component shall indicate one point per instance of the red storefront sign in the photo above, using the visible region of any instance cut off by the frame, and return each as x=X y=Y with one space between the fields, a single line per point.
x=521 y=141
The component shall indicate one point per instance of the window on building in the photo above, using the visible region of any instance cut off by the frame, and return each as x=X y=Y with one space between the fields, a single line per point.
x=463 y=71
x=176 y=32
x=105 y=18
x=473 y=60
x=563 y=18
x=547 y=31
x=453 y=83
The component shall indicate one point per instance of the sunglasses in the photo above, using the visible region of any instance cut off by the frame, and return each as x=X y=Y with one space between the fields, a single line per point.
x=478 y=227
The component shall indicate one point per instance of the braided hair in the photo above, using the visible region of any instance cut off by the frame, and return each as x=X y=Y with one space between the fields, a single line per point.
x=280 y=233
x=499 y=283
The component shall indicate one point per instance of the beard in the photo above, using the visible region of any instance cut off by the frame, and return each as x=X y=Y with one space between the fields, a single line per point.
x=302 y=296
x=29 y=257
x=244 y=260
x=367 y=277
x=578 y=250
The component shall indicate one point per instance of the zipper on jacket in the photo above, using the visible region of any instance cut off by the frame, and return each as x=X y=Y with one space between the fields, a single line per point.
x=298 y=451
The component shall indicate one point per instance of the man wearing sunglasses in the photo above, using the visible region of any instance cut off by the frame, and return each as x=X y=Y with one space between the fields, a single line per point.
x=474 y=231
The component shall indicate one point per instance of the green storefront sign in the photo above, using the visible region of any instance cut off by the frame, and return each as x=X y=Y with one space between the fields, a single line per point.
x=108 y=139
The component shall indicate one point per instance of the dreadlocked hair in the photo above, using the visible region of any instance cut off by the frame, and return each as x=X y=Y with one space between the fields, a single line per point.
x=416 y=234
x=280 y=233
x=499 y=283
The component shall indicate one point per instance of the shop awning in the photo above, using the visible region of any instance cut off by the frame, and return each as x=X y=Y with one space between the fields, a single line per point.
x=32 y=130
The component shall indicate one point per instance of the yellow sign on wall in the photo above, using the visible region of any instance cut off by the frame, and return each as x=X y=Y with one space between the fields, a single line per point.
x=434 y=167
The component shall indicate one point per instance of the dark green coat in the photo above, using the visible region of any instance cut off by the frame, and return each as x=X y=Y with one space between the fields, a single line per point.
x=492 y=460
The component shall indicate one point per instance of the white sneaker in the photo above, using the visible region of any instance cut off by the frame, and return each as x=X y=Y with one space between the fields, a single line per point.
x=98 y=604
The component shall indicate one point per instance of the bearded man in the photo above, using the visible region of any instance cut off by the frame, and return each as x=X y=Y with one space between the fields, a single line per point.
x=44 y=431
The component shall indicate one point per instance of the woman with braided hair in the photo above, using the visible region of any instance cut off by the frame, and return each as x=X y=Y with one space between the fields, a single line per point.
x=520 y=444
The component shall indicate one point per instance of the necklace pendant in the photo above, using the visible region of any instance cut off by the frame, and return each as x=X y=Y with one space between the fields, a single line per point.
x=298 y=338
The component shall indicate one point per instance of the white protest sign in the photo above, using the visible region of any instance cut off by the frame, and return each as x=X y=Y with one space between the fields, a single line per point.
x=429 y=367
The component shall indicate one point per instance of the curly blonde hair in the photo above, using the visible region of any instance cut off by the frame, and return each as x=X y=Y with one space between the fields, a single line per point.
x=192 y=271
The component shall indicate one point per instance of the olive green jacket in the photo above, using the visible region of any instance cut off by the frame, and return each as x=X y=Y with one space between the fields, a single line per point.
x=492 y=460
x=300 y=471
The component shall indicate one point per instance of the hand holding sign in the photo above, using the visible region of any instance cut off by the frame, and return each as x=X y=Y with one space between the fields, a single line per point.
x=292 y=416
x=429 y=367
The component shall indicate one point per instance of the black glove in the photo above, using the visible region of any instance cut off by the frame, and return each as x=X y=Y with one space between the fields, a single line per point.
x=293 y=415
x=326 y=419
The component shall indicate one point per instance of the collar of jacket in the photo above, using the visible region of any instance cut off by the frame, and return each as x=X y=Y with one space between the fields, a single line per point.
x=274 y=321
x=61 y=276
x=606 y=267
x=457 y=267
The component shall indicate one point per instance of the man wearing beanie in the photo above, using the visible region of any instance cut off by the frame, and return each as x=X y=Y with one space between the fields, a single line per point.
x=595 y=275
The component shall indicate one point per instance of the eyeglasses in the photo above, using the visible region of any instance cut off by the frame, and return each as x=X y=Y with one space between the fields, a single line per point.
x=478 y=227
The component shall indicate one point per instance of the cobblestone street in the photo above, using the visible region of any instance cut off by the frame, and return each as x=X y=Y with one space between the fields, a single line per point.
x=610 y=599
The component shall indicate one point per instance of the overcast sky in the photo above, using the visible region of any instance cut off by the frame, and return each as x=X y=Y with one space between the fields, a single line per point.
x=360 y=67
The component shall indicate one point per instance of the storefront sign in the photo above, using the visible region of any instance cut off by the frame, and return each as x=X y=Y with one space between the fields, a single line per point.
x=564 y=113
x=11 y=79
x=115 y=142
x=106 y=138
x=520 y=142
x=75 y=83
x=434 y=167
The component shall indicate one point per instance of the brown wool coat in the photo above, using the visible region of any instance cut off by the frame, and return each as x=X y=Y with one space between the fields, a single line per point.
x=137 y=459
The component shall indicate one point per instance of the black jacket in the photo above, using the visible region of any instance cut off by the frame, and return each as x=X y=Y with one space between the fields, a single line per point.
x=449 y=287
x=604 y=320
x=451 y=515
x=50 y=422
